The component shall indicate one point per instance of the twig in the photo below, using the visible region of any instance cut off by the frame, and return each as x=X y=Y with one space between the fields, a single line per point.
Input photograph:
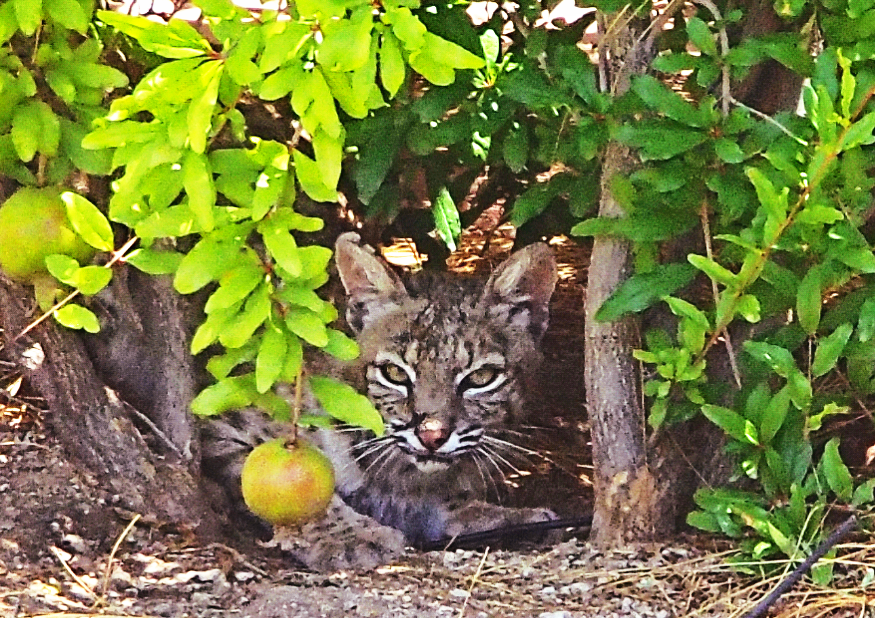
x=768 y=119
x=76 y=578
x=709 y=251
x=155 y=429
x=474 y=579
x=115 y=547
x=793 y=578
x=117 y=256
x=724 y=50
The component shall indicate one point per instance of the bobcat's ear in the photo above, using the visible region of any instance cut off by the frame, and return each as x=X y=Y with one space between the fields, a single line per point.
x=519 y=290
x=371 y=286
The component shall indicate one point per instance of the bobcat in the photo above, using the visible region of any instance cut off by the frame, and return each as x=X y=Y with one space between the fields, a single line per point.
x=448 y=362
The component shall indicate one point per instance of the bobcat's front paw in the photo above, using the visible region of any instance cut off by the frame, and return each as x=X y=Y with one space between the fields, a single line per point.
x=482 y=516
x=341 y=540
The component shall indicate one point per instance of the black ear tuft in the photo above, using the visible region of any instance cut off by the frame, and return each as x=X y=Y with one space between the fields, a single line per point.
x=520 y=289
x=372 y=288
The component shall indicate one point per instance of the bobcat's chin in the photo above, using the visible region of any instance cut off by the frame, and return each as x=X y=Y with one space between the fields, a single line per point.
x=430 y=464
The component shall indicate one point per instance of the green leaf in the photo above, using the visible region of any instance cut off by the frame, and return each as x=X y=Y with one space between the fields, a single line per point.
x=221 y=365
x=281 y=245
x=775 y=202
x=197 y=178
x=407 y=27
x=515 y=149
x=446 y=219
x=26 y=131
x=224 y=395
x=777 y=358
x=69 y=14
x=346 y=42
x=90 y=280
x=281 y=83
x=308 y=326
x=8 y=22
x=200 y=112
x=748 y=307
x=809 y=301
x=864 y=493
x=173 y=222
x=643 y=290
x=62 y=267
x=431 y=68
x=715 y=271
x=662 y=99
x=329 y=155
x=703 y=521
x=78 y=318
x=154 y=262
x=29 y=14
x=255 y=312
x=392 y=68
x=660 y=139
x=271 y=358
x=728 y=150
x=210 y=329
x=294 y=359
x=340 y=346
x=829 y=349
x=774 y=414
x=732 y=423
x=452 y=54
x=838 y=477
x=816 y=214
x=206 y=261
x=310 y=177
x=118 y=134
x=342 y=402
x=174 y=39
x=234 y=286
x=866 y=325
x=860 y=133
x=701 y=36
x=88 y=221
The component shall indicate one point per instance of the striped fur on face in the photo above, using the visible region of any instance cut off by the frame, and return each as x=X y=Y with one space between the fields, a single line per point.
x=447 y=360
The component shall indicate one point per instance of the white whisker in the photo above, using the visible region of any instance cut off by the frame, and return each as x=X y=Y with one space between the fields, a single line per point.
x=489 y=458
x=489 y=483
x=372 y=449
x=495 y=453
x=382 y=459
x=367 y=443
x=517 y=447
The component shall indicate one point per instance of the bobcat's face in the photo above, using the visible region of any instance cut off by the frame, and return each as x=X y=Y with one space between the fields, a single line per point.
x=447 y=360
x=443 y=393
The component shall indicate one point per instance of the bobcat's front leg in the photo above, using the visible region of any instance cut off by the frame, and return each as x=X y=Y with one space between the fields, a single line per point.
x=479 y=516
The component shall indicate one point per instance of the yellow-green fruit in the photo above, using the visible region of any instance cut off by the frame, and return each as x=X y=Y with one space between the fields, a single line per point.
x=287 y=484
x=34 y=224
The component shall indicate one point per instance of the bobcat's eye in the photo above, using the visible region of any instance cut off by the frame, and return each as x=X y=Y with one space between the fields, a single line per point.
x=481 y=378
x=394 y=374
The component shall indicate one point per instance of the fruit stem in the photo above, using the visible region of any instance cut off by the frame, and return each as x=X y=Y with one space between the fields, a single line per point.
x=296 y=406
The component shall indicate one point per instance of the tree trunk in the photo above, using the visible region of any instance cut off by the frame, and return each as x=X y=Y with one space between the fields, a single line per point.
x=97 y=428
x=644 y=483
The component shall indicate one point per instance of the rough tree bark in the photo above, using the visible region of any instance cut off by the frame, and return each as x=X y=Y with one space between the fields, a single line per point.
x=621 y=475
x=98 y=426
x=644 y=483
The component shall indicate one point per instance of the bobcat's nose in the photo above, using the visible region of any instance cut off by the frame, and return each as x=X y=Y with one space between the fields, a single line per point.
x=432 y=433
